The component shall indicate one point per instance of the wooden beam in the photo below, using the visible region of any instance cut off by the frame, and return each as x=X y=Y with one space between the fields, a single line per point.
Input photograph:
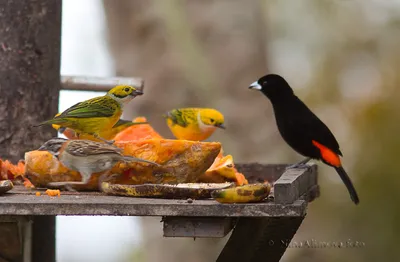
x=294 y=183
x=197 y=226
x=260 y=239
x=19 y=202
x=43 y=238
x=100 y=84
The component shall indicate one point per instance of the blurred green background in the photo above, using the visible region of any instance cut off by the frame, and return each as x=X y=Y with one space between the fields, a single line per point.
x=341 y=57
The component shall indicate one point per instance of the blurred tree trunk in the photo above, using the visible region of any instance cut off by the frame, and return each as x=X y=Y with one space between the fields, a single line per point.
x=192 y=53
x=30 y=33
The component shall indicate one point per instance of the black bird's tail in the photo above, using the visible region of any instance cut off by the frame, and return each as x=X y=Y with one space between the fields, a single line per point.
x=347 y=182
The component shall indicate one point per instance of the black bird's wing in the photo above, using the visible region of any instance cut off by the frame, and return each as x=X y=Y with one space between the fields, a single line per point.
x=299 y=126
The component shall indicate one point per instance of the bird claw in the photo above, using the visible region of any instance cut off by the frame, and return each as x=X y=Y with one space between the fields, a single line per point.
x=297 y=165
x=302 y=164
x=110 y=142
x=66 y=185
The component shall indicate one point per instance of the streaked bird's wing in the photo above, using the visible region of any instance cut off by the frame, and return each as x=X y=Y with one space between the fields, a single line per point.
x=87 y=148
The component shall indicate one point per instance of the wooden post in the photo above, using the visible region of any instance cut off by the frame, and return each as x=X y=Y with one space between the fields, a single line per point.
x=266 y=239
x=30 y=36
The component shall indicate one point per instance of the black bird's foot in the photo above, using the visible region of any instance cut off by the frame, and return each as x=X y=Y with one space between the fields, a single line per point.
x=301 y=164
x=297 y=165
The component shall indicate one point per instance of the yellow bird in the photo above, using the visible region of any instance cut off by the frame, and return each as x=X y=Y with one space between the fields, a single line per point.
x=194 y=123
x=97 y=114
x=105 y=133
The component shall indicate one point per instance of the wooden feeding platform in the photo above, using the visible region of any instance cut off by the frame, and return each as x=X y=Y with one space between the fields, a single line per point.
x=259 y=229
x=30 y=33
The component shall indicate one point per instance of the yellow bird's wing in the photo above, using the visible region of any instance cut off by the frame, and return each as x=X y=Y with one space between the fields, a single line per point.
x=96 y=107
x=181 y=117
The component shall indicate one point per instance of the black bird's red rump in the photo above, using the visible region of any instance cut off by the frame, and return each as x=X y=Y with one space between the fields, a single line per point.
x=301 y=128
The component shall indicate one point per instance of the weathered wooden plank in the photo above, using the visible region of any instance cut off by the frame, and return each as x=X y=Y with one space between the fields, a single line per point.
x=260 y=239
x=294 y=183
x=197 y=226
x=103 y=84
x=256 y=172
x=100 y=204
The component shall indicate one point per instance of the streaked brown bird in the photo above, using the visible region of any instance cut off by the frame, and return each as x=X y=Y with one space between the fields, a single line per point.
x=86 y=157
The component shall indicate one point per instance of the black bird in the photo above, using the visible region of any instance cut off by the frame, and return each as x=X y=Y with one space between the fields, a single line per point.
x=301 y=128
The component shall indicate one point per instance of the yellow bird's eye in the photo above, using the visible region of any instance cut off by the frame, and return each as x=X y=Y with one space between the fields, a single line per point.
x=126 y=89
x=212 y=120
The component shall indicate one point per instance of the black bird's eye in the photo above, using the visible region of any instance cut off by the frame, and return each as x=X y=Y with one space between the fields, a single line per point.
x=265 y=83
x=212 y=120
x=126 y=89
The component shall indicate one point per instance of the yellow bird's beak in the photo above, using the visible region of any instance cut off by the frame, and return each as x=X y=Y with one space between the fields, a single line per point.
x=137 y=93
x=221 y=126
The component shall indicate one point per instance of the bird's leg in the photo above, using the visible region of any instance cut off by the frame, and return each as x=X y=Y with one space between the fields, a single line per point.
x=110 y=142
x=68 y=184
x=301 y=164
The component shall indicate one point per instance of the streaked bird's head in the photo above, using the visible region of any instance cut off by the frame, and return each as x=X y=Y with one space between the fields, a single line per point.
x=272 y=86
x=53 y=145
x=212 y=117
x=124 y=93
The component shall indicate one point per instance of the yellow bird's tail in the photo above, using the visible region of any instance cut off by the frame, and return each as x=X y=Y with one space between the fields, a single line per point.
x=53 y=121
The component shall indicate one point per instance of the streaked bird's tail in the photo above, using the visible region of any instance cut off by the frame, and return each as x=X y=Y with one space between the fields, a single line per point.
x=135 y=159
x=347 y=182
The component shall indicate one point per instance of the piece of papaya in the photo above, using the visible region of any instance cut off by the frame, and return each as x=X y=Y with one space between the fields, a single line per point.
x=11 y=171
x=181 y=162
x=222 y=170
x=137 y=132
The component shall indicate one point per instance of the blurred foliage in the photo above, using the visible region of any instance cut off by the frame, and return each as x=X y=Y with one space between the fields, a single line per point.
x=341 y=57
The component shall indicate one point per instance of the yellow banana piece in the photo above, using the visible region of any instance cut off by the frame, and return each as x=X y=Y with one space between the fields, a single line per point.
x=242 y=194
x=174 y=191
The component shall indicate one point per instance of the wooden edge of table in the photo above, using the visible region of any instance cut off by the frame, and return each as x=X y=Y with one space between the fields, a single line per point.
x=27 y=204
x=294 y=183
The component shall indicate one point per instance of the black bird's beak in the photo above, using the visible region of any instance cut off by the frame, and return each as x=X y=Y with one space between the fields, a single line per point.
x=221 y=126
x=42 y=148
x=137 y=93
x=255 y=86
